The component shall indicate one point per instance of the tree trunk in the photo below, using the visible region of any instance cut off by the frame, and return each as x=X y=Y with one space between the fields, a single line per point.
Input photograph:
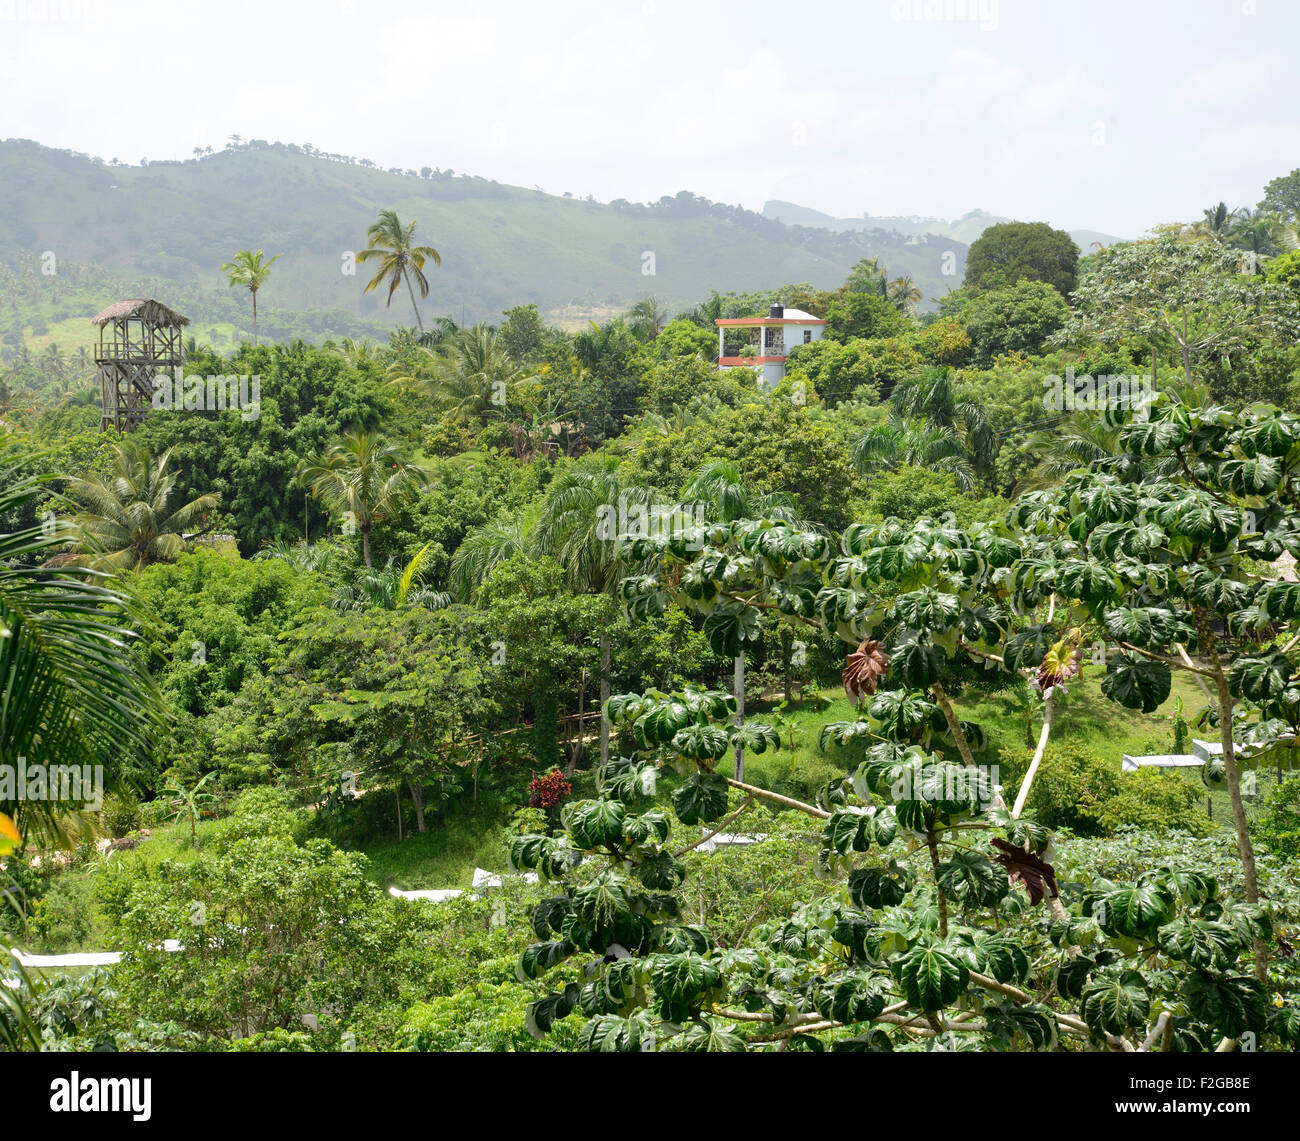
x=577 y=743
x=417 y=798
x=414 y=306
x=787 y=653
x=365 y=544
x=1032 y=771
x=604 y=696
x=1209 y=652
x=932 y=842
x=1244 y=847
x=398 y=791
x=954 y=727
x=254 y=318
x=738 y=688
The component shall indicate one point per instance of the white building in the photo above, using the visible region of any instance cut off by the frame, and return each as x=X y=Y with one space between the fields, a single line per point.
x=776 y=334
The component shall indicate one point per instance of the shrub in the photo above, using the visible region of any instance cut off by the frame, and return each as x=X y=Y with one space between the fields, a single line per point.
x=1085 y=791
x=120 y=815
x=1278 y=828
x=481 y=1017
x=548 y=790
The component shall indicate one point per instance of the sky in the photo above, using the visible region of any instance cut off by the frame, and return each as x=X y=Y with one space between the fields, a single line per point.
x=1113 y=116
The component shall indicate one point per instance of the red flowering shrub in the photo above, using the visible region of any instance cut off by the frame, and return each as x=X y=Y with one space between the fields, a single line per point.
x=548 y=790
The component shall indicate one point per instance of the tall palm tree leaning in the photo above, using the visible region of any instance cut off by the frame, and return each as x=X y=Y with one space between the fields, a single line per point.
x=250 y=270
x=721 y=487
x=364 y=478
x=399 y=258
x=574 y=529
x=73 y=691
x=127 y=520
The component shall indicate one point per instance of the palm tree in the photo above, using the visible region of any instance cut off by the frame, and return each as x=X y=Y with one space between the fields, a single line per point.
x=646 y=318
x=569 y=530
x=300 y=555
x=721 y=486
x=251 y=271
x=487 y=547
x=916 y=443
x=1217 y=222
x=73 y=690
x=932 y=398
x=444 y=328
x=364 y=478
x=866 y=276
x=128 y=519
x=356 y=352
x=1259 y=234
x=471 y=375
x=904 y=294
x=399 y=258
x=392 y=588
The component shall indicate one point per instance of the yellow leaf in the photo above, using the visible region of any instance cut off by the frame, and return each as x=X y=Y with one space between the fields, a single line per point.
x=10 y=837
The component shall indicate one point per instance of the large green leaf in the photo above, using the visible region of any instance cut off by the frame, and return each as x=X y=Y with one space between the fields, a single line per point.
x=729 y=627
x=931 y=977
x=1260 y=679
x=971 y=879
x=1115 y=1002
x=917 y=662
x=1231 y=1004
x=596 y=823
x=700 y=798
x=850 y=996
x=680 y=983
x=1136 y=682
x=1135 y=910
x=873 y=888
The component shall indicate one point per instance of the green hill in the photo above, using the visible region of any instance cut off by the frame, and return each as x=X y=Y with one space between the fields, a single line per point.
x=165 y=228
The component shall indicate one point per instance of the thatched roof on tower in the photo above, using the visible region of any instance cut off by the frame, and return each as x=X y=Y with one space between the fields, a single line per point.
x=146 y=308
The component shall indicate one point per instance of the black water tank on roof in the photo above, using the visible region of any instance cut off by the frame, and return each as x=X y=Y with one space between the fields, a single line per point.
x=777 y=311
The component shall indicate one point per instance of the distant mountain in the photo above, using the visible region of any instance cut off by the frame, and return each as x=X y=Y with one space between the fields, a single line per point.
x=166 y=228
x=965 y=229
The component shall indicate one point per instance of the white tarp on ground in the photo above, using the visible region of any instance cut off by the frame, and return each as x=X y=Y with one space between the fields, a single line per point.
x=1161 y=761
x=483 y=879
x=433 y=895
x=82 y=959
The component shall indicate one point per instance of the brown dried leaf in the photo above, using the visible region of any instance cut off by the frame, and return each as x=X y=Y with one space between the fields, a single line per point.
x=863 y=670
x=1025 y=868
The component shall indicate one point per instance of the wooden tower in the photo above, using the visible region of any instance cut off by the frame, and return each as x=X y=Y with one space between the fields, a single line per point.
x=138 y=339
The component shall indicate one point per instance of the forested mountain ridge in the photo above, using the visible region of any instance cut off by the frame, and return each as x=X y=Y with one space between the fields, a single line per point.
x=178 y=221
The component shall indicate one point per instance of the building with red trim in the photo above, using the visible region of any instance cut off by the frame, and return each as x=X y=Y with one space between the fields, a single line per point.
x=767 y=340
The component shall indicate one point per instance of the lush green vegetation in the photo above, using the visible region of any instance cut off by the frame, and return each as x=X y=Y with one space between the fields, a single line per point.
x=899 y=616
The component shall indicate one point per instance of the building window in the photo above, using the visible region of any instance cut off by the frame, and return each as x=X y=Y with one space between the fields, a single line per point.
x=807 y=336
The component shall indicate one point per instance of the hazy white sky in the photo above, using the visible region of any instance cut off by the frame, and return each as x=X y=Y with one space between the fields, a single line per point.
x=1109 y=114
